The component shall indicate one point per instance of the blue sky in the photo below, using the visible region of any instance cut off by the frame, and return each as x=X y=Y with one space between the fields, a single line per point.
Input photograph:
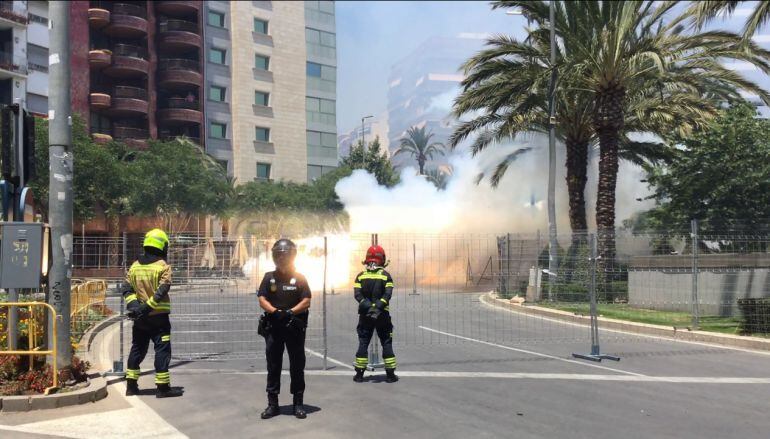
x=373 y=35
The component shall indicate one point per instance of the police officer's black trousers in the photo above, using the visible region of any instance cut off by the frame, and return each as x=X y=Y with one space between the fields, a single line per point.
x=384 y=327
x=158 y=329
x=294 y=342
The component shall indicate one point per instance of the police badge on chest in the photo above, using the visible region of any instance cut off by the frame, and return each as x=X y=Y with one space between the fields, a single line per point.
x=291 y=287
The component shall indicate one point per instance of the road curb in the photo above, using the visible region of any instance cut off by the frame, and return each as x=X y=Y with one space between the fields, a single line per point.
x=736 y=341
x=96 y=390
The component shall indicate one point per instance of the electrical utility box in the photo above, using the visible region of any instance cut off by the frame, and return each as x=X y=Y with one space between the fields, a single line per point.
x=23 y=255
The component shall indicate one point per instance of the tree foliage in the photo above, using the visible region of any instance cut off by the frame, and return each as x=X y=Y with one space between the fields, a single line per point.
x=374 y=160
x=721 y=176
x=417 y=144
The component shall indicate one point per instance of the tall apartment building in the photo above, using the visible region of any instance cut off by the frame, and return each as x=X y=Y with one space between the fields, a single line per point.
x=422 y=85
x=137 y=68
x=24 y=54
x=270 y=78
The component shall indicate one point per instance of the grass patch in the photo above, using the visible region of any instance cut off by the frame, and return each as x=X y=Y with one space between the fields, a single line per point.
x=725 y=325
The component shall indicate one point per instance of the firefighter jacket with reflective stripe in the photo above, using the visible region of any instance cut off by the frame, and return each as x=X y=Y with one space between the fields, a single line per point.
x=374 y=286
x=150 y=283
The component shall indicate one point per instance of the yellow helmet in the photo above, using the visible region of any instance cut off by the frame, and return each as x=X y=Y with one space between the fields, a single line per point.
x=156 y=238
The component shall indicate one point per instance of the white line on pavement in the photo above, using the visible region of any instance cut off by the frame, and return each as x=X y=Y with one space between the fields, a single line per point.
x=524 y=351
x=484 y=301
x=515 y=375
x=328 y=358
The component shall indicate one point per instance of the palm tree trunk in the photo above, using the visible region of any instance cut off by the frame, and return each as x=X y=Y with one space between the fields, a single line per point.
x=421 y=164
x=608 y=123
x=577 y=176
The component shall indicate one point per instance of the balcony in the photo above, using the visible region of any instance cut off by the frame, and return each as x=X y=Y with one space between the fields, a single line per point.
x=99 y=58
x=98 y=17
x=179 y=36
x=128 y=62
x=127 y=21
x=179 y=111
x=178 y=8
x=12 y=66
x=180 y=137
x=129 y=102
x=100 y=100
x=179 y=74
x=136 y=137
x=12 y=14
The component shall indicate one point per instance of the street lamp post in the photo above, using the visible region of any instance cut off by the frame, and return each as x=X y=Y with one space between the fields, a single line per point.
x=363 y=142
x=552 y=232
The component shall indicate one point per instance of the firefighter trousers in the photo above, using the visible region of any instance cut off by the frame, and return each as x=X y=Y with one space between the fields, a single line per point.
x=366 y=328
x=158 y=329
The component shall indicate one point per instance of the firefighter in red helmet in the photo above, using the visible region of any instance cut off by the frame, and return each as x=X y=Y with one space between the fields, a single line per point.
x=373 y=289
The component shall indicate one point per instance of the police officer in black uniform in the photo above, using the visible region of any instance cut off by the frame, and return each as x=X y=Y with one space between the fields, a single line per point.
x=284 y=295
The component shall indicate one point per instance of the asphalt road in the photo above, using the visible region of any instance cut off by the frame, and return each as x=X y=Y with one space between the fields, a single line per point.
x=467 y=370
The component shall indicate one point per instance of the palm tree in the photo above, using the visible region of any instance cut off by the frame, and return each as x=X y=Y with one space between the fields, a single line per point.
x=417 y=143
x=622 y=69
x=622 y=51
x=705 y=10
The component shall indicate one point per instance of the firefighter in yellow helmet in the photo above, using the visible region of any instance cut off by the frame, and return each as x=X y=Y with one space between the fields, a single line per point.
x=145 y=291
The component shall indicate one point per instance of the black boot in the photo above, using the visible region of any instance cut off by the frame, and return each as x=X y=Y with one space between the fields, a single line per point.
x=132 y=387
x=359 y=378
x=272 y=406
x=299 y=409
x=391 y=376
x=166 y=391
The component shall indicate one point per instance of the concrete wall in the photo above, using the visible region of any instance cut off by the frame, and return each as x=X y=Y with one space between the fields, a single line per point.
x=665 y=282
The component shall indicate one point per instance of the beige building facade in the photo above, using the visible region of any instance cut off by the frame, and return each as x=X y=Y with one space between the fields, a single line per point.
x=277 y=116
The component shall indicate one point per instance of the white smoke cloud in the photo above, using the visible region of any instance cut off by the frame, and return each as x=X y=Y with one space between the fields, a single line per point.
x=516 y=206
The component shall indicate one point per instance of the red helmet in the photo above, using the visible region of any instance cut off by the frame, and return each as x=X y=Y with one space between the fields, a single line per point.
x=375 y=255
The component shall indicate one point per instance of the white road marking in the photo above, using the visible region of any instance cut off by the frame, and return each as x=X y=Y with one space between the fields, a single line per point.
x=514 y=375
x=139 y=421
x=484 y=301
x=329 y=359
x=525 y=351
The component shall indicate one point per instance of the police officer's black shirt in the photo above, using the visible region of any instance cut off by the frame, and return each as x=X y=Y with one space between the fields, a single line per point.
x=285 y=292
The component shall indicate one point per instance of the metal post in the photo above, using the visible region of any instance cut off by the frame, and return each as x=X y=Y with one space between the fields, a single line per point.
x=596 y=353
x=13 y=320
x=414 y=271
x=323 y=303
x=363 y=144
x=61 y=172
x=553 y=244
x=695 y=304
x=122 y=305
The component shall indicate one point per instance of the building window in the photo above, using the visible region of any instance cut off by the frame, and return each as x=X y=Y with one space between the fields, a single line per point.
x=261 y=62
x=324 y=72
x=263 y=171
x=260 y=26
x=326 y=39
x=218 y=130
x=217 y=56
x=261 y=98
x=263 y=134
x=217 y=93
x=216 y=19
x=321 y=110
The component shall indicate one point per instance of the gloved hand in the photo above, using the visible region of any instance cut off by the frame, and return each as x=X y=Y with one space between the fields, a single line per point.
x=380 y=304
x=364 y=306
x=132 y=308
x=280 y=315
x=144 y=310
x=373 y=313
